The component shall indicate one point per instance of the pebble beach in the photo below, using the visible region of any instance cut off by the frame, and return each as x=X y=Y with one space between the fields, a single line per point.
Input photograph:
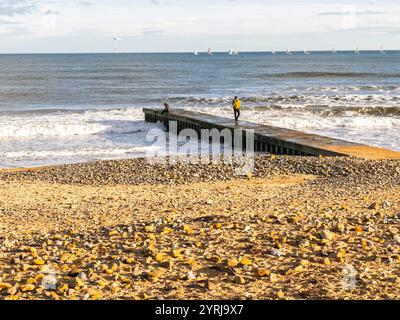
x=295 y=228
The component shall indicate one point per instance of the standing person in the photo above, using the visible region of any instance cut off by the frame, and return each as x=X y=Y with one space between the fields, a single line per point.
x=236 y=104
x=166 y=108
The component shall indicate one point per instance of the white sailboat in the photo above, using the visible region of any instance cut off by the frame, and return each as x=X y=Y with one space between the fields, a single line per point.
x=357 y=51
x=307 y=52
x=230 y=52
x=288 y=51
x=236 y=52
x=196 y=53
x=381 y=50
x=209 y=52
x=334 y=51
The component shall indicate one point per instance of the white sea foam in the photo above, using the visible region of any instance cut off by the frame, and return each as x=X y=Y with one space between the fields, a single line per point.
x=38 y=138
x=92 y=152
x=375 y=130
x=70 y=124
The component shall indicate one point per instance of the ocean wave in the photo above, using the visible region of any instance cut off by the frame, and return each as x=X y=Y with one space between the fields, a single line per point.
x=93 y=152
x=328 y=74
x=364 y=102
x=326 y=110
x=303 y=120
x=72 y=124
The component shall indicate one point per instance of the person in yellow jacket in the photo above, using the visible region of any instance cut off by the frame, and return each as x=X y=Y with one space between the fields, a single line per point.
x=236 y=104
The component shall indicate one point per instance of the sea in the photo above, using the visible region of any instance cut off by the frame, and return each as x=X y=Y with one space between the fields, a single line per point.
x=69 y=108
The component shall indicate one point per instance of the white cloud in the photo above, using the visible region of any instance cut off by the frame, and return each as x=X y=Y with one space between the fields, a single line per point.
x=175 y=25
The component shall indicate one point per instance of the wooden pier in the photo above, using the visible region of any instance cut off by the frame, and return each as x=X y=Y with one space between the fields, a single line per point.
x=271 y=139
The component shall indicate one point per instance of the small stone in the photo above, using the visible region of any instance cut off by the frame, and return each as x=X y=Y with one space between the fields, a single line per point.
x=261 y=272
x=341 y=227
x=102 y=283
x=155 y=274
x=75 y=282
x=16 y=261
x=95 y=296
x=12 y=291
x=210 y=285
x=304 y=243
x=341 y=255
x=276 y=252
x=149 y=228
x=5 y=286
x=128 y=260
x=166 y=264
x=167 y=231
x=74 y=272
x=273 y=277
x=327 y=235
x=82 y=276
x=232 y=263
x=190 y=275
x=113 y=233
x=160 y=257
x=386 y=205
x=68 y=258
x=373 y=206
x=39 y=262
x=359 y=229
x=396 y=238
x=240 y=280
x=245 y=262
x=178 y=253
x=304 y=263
x=188 y=229
x=27 y=287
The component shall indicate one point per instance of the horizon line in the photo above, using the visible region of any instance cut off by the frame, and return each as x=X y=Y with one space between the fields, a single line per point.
x=191 y=52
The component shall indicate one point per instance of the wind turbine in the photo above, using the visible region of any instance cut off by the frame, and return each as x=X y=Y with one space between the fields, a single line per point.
x=116 y=39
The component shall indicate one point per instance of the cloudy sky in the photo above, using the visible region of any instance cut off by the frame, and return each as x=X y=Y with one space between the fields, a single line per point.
x=183 y=25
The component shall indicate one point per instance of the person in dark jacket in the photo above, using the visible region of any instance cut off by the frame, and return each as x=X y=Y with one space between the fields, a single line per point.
x=166 y=108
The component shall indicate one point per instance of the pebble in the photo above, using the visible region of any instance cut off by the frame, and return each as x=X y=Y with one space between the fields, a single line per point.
x=190 y=275
x=327 y=235
x=240 y=280
x=76 y=282
x=27 y=287
x=276 y=252
x=209 y=285
x=5 y=286
x=386 y=204
x=232 y=263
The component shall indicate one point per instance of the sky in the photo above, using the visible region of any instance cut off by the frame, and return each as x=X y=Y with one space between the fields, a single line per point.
x=55 y=26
